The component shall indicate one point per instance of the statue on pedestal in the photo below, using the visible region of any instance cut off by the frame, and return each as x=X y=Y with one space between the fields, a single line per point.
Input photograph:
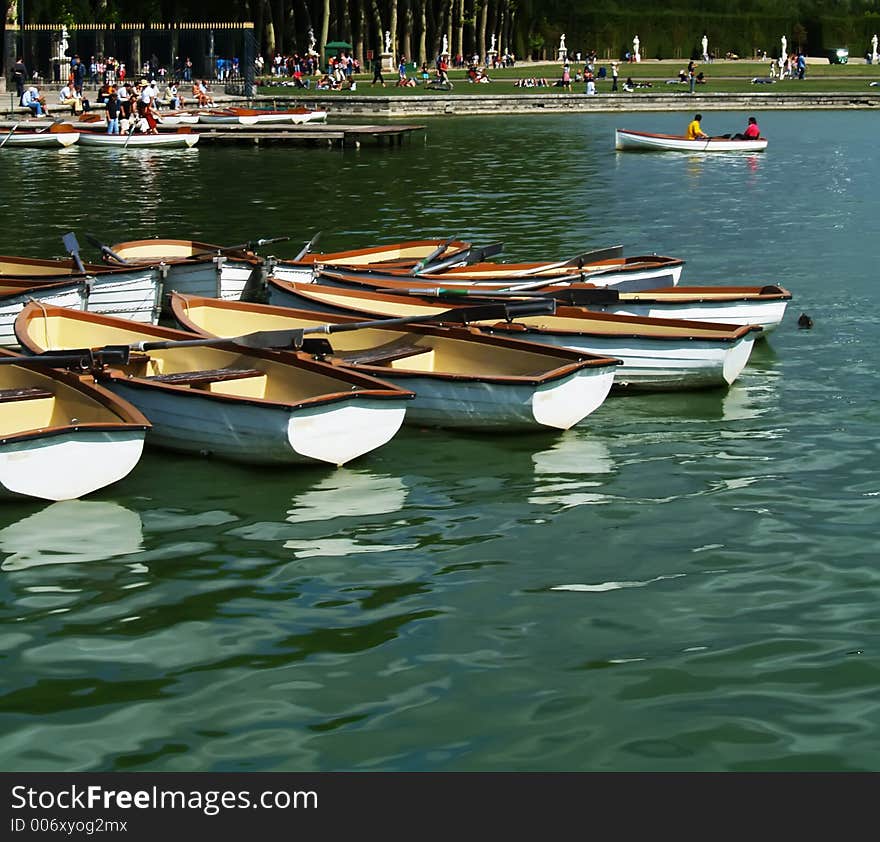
x=784 y=42
x=445 y=50
x=312 y=42
x=637 y=56
x=874 y=50
x=705 y=43
x=387 y=41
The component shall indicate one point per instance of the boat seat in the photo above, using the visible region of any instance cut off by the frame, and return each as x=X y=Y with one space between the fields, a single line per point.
x=397 y=350
x=204 y=378
x=29 y=393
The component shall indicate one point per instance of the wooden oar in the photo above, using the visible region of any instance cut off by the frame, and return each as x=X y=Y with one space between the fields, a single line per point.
x=72 y=246
x=130 y=133
x=429 y=259
x=82 y=358
x=306 y=248
x=105 y=249
x=280 y=339
x=3 y=142
x=250 y=245
x=580 y=260
x=473 y=255
x=567 y=295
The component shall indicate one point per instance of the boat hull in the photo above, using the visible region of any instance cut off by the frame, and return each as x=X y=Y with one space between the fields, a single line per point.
x=138 y=141
x=629 y=141
x=45 y=140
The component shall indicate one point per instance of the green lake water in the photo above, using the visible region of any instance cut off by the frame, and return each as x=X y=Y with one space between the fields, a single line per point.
x=682 y=582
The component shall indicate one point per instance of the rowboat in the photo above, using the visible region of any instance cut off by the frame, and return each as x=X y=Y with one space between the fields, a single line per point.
x=240 y=269
x=630 y=141
x=193 y=267
x=461 y=378
x=178 y=118
x=632 y=273
x=657 y=354
x=227 y=401
x=252 y=116
x=183 y=138
x=54 y=137
x=62 y=437
x=130 y=293
x=731 y=305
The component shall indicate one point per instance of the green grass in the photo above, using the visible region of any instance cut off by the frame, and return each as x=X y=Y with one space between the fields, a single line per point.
x=722 y=77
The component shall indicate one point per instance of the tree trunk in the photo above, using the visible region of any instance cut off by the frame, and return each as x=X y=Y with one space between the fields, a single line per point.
x=377 y=20
x=406 y=41
x=268 y=18
x=481 y=33
x=278 y=18
x=459 y=29
x=360 y=22
x=423 y=31
x=325 y=31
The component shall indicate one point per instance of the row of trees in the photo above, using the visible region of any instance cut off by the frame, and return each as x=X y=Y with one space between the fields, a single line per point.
x=527 y=28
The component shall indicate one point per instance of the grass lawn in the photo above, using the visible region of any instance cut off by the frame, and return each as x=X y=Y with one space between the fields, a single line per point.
x=721 y=76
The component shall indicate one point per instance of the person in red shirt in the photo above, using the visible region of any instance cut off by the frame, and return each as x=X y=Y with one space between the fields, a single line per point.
x=752 y=131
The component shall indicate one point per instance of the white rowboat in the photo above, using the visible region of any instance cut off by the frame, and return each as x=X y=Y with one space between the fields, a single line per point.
x=181 y=139
x=461 y=378
x=62 y=437
x=244 y=405
x=629 y=141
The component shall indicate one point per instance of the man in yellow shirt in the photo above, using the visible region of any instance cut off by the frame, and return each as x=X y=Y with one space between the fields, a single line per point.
x=694 y=131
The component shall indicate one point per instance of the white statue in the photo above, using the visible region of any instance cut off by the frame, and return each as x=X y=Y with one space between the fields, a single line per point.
x=387 y=41
x=492 y=48
x=445 y=51
x=784 y=42
x=636 y=55
x=705 y=48
x=62 y=48
x=562 y=44
x=312 y=41
x=874 y=50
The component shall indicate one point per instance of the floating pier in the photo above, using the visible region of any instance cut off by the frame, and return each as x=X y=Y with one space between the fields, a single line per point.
x=307 y=133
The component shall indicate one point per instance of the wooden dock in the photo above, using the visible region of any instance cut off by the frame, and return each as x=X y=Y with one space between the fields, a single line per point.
x=311 y=134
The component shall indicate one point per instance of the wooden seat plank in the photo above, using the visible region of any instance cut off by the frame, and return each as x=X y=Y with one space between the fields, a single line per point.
x=203 y=378
x=28 y=393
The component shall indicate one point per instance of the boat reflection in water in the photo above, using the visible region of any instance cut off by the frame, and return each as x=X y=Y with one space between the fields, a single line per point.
x=566 y=473
x=346 y=494
x=71 y=532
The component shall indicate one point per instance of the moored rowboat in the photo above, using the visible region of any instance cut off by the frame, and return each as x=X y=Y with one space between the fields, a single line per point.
x=60 y=436
x=234 y=403
x=657 y=354
x=461 y=378
x=252 y=116
x=183 y=138
x=55 y=137
x=630 y=141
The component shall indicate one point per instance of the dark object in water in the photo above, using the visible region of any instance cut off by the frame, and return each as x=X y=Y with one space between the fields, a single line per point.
x=804 y=321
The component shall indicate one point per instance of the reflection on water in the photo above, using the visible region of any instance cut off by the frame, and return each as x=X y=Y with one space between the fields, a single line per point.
x=71 y=532
x=348 y=493
x=564 y=472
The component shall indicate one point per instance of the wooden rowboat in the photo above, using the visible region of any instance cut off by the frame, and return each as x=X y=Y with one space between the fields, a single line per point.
x=130 y=293
x=244 y=405
x=461 y=378
x=56 y=136
x=252 y=116
x=629 y=141
x=731 y=305
x=242 y=269
x=633 y=273
x=183 y=138
x=657 y=354
x=60 y=436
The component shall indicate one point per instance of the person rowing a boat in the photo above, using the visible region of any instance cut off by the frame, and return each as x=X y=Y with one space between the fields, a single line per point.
x=752 y=132
x=694 y=130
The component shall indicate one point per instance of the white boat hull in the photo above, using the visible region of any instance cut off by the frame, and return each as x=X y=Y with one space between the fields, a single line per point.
x=481 y=405
x=68 y=465
x=269 y=435
x=645 y=142
x=767 y=314
x=46 y=140
x=658 y=364
x=138 y=141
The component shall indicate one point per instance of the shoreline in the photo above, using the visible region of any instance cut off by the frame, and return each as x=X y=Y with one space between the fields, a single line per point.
x=439 y=104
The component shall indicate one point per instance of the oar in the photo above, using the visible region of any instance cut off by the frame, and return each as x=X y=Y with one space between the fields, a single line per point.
x=566 y=295
x=105 y=249
x=82 y=358
x=306 y=248
x=268 y=339
x=72 y=246
x=130 y=133
x=250 y=245
x=477 y=255
x=426 y=261
x=580 y=260
x=3 y=142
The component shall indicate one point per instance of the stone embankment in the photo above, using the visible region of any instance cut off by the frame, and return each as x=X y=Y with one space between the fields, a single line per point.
x=441 y=104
